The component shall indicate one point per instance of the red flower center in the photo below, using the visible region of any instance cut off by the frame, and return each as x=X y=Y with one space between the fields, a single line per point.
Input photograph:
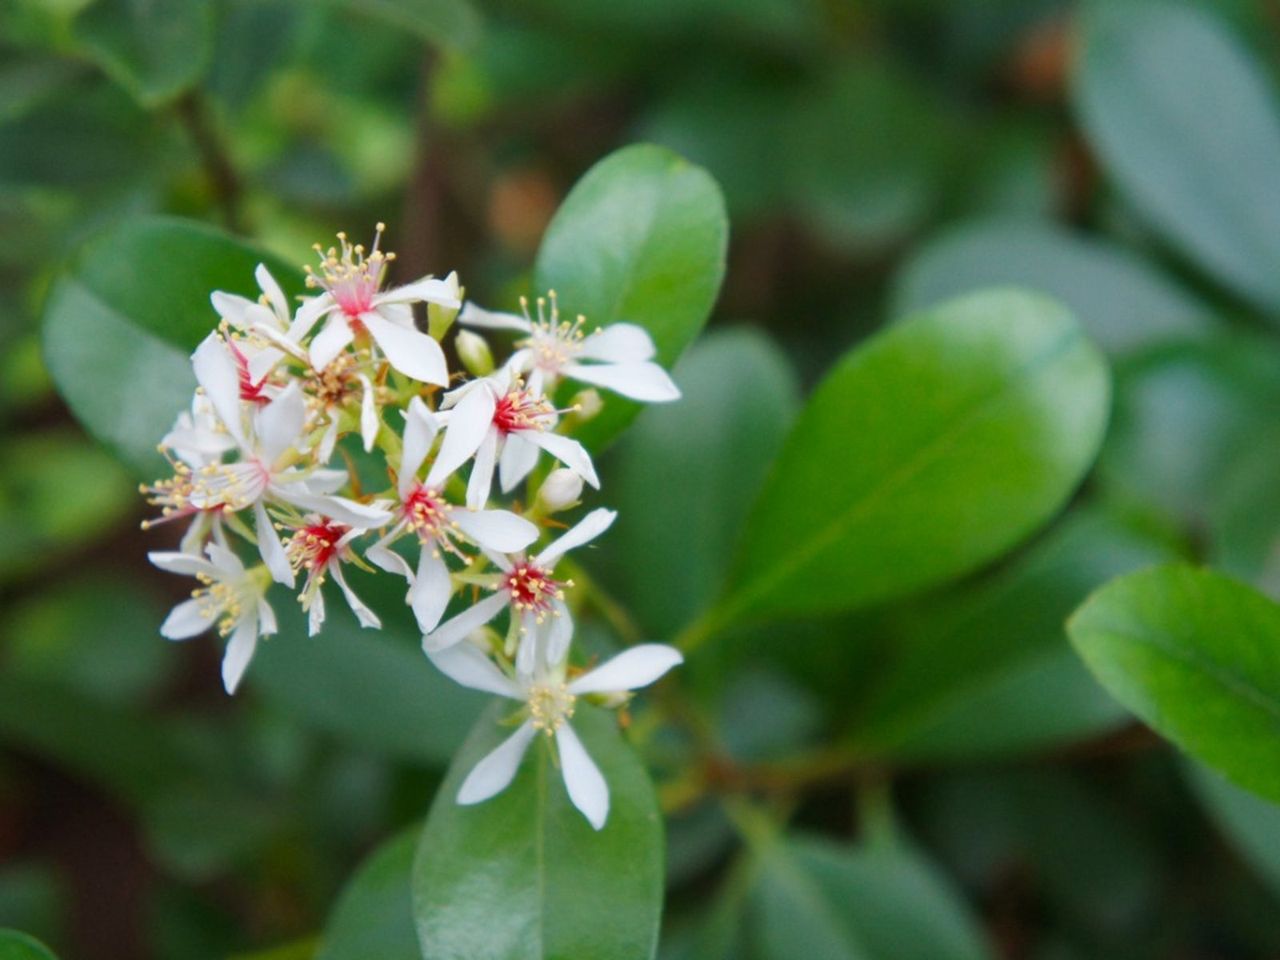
x=314 y=545
x=532 y=588
x=521 y=410
x=427 y=512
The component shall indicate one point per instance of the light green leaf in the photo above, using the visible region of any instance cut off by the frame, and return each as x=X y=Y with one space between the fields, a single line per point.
x=1197 y=657
x=1187 y=125
x=450 y=23
x=986 y=669
x=123 y=317
x=814 y=899
x=523 y=876
x=156 y=49
x=15 y=945
x=1251 y=824
x=1120 y=301
x=927 y=451
x=374 y=914
x=692 y=469
x=641 y=238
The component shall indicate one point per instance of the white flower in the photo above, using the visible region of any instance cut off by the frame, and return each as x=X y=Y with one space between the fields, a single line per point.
x=536 y=598
x=355 y=307
x=550 y=702
x=623 y=352
x=268 y=441
x=267 y=323
x=503 y=424
x=230 y=598
x=320 y=546
x=424 y=512
x=562 y=490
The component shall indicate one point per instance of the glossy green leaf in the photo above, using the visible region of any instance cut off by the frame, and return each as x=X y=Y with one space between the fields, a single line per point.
x=927 y=451
x=641 y=238
x=451 y=23
x=1251 y=824
x=156 y=49
x=523 y=876
x=374 y=914
x=691 y=470
x=123 y=317
x=817 y=900
x=1197 y=657
x=986 y=669
x=1188 y=127
x=1120 y=301
x=15 y=945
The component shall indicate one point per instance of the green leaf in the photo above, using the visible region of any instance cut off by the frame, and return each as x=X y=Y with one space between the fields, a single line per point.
x=1251 y=824
x=985 y=669
x=1120 y=301
x=15 y=945
x=523 y=876
x=927 y=451
x=1197 y=657
x=642 y=238
x=450 y=23
x=374 y=914
x=123 y=317
x=816 y=900
x=692 y=469
x=155 y=49
x=1195 y=150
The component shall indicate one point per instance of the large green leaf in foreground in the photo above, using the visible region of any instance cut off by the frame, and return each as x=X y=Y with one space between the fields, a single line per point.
x=523 y=876
x=1197 y=656
x=927 y=451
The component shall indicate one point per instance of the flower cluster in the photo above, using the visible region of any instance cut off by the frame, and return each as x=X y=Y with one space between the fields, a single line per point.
x=281 y=388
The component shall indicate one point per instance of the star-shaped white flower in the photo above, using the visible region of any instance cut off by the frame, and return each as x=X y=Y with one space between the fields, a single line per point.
x=618 y=357
x=230 y=598
x=318 y=547
x=502 y=424
x=355 y=306
x=425 y=513
x=269 y=328
x=528 y=587
x=550 y=702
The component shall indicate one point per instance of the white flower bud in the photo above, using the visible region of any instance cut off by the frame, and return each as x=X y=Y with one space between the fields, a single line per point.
x=587 y=404
x=474 y=353
x=561 y=490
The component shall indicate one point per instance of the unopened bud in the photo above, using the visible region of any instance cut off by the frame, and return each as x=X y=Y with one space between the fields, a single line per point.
x=473 y=351
x=561 y=490
x=586 y=405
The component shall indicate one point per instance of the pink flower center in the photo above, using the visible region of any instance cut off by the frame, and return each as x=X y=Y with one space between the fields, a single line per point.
x=532 y=588
x=313 y=546
x=350 y=276
x=427 y=512
x=521 y=410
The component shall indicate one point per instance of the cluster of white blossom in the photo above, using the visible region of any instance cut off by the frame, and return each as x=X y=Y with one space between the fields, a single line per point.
x=281 y=385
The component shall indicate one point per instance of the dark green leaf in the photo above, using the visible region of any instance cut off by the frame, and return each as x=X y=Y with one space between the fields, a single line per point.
x=123 y=317
x=523 y=876
x=1187 y=125
x=156 y=49
x=1197 y=657
x=15 y=945
x=374 y=915
x=450 y=23
x=1120 y=301
x=1249 y=822
x=640 y=238
x=926 y=452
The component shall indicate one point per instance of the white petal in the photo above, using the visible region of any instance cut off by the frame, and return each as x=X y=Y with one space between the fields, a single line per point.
x=231 y=307
x=582 y=778
x=360 y=515
x=271 y=548
x=216 y=372
x=266 y=617
x=184 y=621
x=630 y=670
x=499 y=530
x=325 y=481
x=519 y=457
x=328 y=440
x=309 y=311
x=411 y=352
x=452 y=631
x=462 y=663
x=431 y=590
x=619 y=343
x=474 y=316
x=569 y=452
x=315 y=613
x=368 y=414
x=238 y=654
x=469 y=423
x=280 y=423
x=527 y=652
x=427 y=290
x=331 y=340
x=366 y=616
x=585 y=530
x=275 y=296
x=381 y=555
x=226 y=562
x=559 y=633
x=646 y=382
x=419 y=433
x=481 y=480
x=492 y=774
x=188 y=564
x=262 y=362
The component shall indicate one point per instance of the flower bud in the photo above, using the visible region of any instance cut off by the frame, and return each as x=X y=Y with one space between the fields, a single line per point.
x=473 y=351
x=587 y=404
x=561 y=490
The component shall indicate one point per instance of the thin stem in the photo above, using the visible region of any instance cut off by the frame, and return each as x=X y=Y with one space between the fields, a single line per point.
x=193 y=112
x=617 y=616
